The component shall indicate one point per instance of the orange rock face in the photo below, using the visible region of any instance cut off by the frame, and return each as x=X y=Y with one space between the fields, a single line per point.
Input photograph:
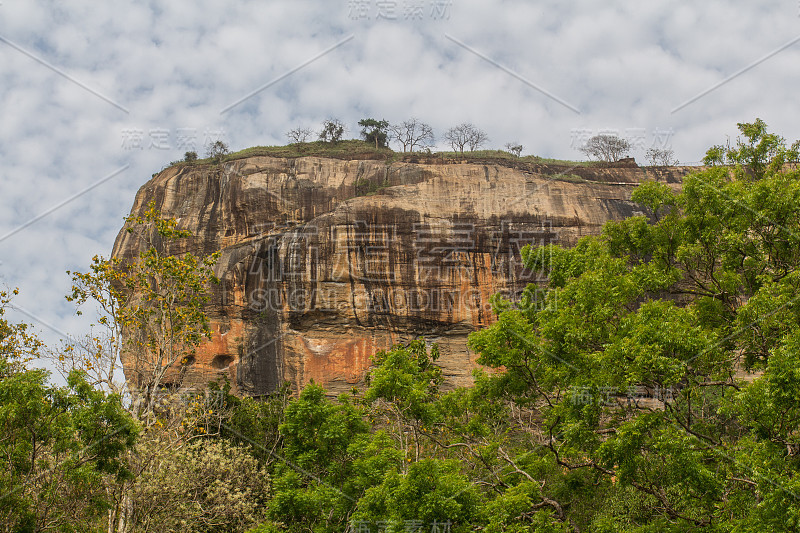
x=326 y=261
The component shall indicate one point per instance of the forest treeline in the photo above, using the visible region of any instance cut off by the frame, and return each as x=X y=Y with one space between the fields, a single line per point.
x=653 y=385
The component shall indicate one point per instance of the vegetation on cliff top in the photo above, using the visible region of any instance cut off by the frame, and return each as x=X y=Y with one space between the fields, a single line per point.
x=410 y=134
x=466 y=141
x=361 y=150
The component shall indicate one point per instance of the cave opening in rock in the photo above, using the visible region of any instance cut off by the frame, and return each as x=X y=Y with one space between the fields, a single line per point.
x=221 y=361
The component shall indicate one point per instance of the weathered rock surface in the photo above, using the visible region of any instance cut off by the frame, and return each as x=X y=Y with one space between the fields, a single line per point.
x=326 y=261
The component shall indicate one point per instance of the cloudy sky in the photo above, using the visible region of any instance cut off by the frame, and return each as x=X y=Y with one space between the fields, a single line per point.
x=97 y=96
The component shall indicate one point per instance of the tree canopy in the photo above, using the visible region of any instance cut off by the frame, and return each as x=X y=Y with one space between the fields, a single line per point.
x=57 y=444
x=412 y=133
x=375 y=131
x=607 y=148
x=663 y=360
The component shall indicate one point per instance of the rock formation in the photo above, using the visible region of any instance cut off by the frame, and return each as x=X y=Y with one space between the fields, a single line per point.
x=326 y=261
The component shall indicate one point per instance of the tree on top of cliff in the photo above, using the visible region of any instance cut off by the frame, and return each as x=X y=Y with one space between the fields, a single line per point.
x=608 y=148
x=412 y=133
x=465 y=135
x=514 y=148
x=299 y=135
x=661 y=157
x=332 y=131
x=374 y=131
x=216 y=150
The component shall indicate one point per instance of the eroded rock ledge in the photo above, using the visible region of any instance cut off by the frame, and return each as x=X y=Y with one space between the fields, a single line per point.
x=325 y=261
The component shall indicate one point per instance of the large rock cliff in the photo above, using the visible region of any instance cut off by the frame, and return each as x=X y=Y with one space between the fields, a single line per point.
x=326 y=261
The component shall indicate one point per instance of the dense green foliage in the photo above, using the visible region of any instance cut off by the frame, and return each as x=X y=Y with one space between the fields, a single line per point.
x=634 y=364
x=57 y=444
x=375 y=131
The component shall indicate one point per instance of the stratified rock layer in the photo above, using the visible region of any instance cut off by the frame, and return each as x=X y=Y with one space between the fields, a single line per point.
x=326 y=261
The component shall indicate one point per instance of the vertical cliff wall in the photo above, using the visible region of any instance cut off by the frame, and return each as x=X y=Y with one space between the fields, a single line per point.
x=326 y=261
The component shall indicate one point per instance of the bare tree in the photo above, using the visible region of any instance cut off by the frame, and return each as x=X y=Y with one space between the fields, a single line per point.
x=663 y=157
x=412 y=133
x=607 y=148
x=458 y=136
x=299 y=135
x=465 y=135
x=476 y=139
x=332 y=130
x=514 y=148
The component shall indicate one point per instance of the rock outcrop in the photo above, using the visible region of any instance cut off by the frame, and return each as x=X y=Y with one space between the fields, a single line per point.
x=326 y=261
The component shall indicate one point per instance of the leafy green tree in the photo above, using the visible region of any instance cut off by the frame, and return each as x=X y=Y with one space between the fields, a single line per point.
x=402 y=388
x=754 y=154
x=310 y=483
x=318 y=431
x=151 y=316
x=374 y=131
x=331 y=131
x=254 y=423
x=631 y=370
x=58 y=443
x=522 y=509
x=432 y=494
